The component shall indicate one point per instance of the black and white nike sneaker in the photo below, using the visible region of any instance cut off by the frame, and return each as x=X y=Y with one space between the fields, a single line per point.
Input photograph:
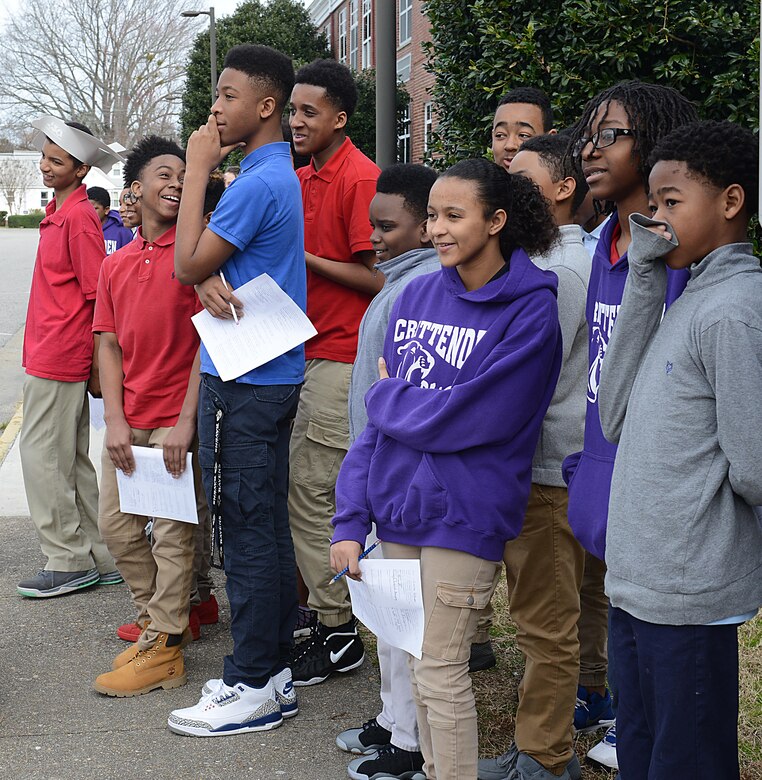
x=327 y=650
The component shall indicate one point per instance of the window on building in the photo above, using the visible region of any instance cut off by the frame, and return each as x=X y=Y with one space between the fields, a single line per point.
x=343 y=35
x=44 y=198
x=366 y=34
x=403 y=68
x=353 y=34
x=428 y=125
x=327 y=31
x=403 y=138
x=406 y=21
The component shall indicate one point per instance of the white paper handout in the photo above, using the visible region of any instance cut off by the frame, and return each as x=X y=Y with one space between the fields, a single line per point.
x=152 y=491
x=272 y=325
x=389 y=602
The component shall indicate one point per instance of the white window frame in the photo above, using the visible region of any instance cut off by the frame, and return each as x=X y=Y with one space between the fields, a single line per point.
x=406 y=21
x=367 y=28
x=354 y=35
x=343 y=35
x=327 y=31
x=404 y=68
x=405 y=137
x=428 y=124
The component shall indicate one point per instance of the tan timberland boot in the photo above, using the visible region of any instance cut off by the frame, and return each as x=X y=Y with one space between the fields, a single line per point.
x=127 y=655
x=161 y=666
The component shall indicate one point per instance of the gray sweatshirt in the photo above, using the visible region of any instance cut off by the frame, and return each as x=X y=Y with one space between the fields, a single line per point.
x=564 y=425
x=683 y=397
x=370 y=344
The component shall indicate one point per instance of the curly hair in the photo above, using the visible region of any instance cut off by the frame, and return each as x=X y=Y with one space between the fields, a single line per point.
x=144 y=151
x=653 y=110
x=553 y=151
x=412 y=182
x=269 y=68
x=723 y=153
x=214 y=189
x=336 y=79
x=534 y=97
x=529 y=225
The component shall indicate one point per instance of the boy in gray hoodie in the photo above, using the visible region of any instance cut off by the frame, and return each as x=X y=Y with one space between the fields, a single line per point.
x=680 y=393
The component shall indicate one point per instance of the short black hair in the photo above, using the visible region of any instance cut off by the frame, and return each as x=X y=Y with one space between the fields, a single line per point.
x=336 y=79
x=413 y=182
x=99 y=195
x=722 y=153
x=533 y=96
x=144 y=151
x=270 y=68
x=214 y=189
x=554 y=153
x=653 y=111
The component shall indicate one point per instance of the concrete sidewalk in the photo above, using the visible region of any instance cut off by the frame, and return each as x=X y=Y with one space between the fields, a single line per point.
x=53 y=726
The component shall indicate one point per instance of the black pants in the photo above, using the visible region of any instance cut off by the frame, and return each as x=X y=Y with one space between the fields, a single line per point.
x=677 y=717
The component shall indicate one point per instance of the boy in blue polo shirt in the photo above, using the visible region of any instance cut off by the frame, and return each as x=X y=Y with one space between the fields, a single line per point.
x=244 y=425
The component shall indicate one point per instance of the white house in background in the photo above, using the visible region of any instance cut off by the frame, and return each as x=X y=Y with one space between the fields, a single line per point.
x=22 y=190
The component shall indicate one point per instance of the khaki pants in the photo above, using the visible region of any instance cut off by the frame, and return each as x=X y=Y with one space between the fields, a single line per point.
x=455 y=587
x=159 y=575
x=59 y=478
x=593 y=625
x=319 y=442
x=544 y=568
x=202 y=584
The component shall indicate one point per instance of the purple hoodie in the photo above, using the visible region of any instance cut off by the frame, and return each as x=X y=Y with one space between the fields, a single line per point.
x=115 y=233
x=446 y=458
x=588 y=473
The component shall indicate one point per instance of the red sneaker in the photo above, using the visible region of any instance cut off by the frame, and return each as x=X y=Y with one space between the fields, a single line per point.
x=131 y=632
x=208 y=611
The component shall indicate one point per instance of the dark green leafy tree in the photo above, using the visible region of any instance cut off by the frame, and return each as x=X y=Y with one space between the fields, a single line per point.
x=707 y=49
x=283 y=24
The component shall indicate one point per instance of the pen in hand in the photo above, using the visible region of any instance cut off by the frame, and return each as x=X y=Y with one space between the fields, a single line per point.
x=232 y=308
x=363 y=554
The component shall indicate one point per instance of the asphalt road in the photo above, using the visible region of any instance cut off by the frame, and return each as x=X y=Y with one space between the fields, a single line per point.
x=18 y=248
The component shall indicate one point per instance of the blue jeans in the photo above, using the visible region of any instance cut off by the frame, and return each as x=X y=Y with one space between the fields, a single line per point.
x=259 y=553
x=678 y=700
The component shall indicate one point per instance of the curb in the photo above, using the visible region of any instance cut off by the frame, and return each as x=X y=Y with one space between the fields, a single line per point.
x=11 y=431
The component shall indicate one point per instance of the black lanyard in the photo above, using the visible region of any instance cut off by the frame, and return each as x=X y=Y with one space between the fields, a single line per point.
x=217 y=545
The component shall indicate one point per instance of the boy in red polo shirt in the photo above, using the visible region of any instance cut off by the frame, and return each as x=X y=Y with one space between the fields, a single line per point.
x=60 y=481
x=150 y=376
x=337 y=188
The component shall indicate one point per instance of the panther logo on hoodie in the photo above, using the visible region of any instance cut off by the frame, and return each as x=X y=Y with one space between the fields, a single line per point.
x=414 y=359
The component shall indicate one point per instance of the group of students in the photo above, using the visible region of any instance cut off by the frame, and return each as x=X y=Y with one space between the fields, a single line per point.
x=456 y=387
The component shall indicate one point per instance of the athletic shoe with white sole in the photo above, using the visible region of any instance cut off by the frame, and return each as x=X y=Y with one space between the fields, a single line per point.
x=365 y=740
x=327 y=650
x=284 y=692
x=111 y=578
x=605 y=751
x=390 y=763
x=46 y=584
x=230 y=710
x=592 y=711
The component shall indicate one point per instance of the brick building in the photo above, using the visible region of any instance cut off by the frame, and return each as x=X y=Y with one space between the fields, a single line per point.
x=350 y=27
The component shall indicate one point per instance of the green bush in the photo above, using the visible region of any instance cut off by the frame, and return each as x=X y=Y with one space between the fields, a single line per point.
x=26 y=220
x=707 y=49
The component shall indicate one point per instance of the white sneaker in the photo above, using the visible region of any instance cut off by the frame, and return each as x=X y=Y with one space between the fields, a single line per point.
x=605 y=751
x=285 y=693
x=231 y=710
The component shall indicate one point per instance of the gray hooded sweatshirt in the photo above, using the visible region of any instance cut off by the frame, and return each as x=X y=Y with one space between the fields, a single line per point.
x=682 y=396
x=370 y=343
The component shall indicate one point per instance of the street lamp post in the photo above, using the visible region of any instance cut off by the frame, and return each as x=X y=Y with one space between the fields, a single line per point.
x=212 y=44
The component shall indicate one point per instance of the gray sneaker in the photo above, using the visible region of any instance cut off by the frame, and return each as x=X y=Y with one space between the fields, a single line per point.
x=46 y=584
x=514 y=765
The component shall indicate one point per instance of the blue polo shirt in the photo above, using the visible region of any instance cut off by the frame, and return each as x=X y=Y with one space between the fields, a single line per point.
x=260 y=213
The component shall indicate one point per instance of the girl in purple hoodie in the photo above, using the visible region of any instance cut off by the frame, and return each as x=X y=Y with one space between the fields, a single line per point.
x=443 y=469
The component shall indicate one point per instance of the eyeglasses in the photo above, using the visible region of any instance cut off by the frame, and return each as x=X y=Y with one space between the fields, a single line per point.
x=601 y=139
x=130 y=198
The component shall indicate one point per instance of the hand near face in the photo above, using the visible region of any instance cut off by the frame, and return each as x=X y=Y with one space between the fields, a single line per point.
x=205 y=148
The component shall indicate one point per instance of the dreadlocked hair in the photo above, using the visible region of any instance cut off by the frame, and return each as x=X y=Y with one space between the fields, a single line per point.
x=529 y=224
x=653 y=110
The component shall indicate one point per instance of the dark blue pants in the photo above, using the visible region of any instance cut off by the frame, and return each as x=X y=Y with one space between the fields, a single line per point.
x=259 y=553
x=678 y=700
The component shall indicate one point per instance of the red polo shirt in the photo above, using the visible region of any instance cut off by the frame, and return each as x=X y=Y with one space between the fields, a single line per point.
x=58 y=340
x=336 y=200
x=140 y=301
